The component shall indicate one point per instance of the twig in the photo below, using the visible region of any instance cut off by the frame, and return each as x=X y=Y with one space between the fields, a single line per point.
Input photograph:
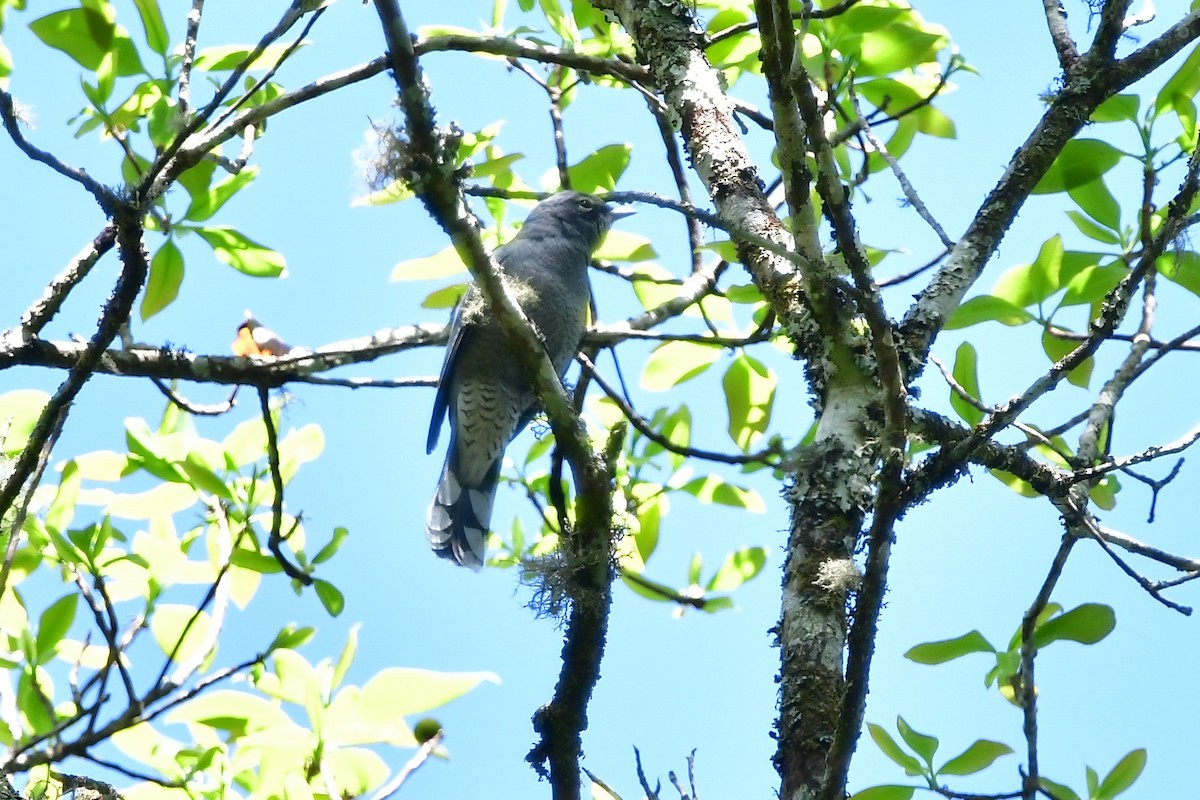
x=276 y=538
x=769 y=455
x=1156 y=485
x=651 y=794
x=115 y=312
x=1149 y=454
x=413 y=764
x=273 y=372
x=106 y=620
x=189 y=57
x=208 y=410
x=162 y=171
x=596 y=780
x=270 y=73
x=895 y=280
x=8 y=117
x=1092 y=528
x=554 y=95
x=1031 y=432
x=910 y=194
x=1028 y=687
x=129 y=772
x=18 y=519
x=810 y=13
x=1060 y=35
x=662 y=591
x=40 y=313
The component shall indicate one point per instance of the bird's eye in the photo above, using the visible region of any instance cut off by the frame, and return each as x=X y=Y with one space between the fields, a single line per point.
x=587 y=203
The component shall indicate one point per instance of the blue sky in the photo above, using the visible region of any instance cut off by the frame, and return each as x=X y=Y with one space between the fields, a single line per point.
x=972 y=558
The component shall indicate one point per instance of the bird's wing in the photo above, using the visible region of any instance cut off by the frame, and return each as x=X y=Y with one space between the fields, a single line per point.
x=459 y=335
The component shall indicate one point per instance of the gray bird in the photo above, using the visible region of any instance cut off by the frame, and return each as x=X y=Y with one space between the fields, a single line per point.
x=482 y=386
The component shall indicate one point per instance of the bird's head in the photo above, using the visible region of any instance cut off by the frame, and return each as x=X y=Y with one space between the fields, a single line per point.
x=582 y=216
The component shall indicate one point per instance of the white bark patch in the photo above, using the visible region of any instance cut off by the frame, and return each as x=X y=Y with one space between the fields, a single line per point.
x=839 y=576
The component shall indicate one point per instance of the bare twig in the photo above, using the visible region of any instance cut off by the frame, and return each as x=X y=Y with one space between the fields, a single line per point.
x=8 y=117
x=412 y=765
x=40 y=313
x=276 y=538
x=115 y=312
x=207 y=410
x=770 y=455
x=189 y=57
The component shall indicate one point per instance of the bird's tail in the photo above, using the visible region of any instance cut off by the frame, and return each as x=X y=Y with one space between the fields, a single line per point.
x=459 y=517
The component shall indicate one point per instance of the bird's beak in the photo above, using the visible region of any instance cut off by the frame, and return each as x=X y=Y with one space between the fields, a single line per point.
x=620 y=212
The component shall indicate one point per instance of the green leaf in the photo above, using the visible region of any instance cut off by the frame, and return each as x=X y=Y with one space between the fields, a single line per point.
x=714 y=489
x=600 y=171
x=976 y=758
x=203 y=478
x=19 y=413
x=242 y=253
x=949 y=649
x=1104 y=493
x=893 y=751
x=1181 y=87
x=1093 y=283
x=923 y=745
x=1087 y=624
x=739 y=567
x=237 y=712
x=1018 y=485
x=330 y=549
x=401 y=691
x=1058 y=790
x=292 y=637
x=447 y=297
x=54 y=624
x=1122 y=776
x=168 y=625
x=672 y=363
x=1057 y=348
x=394 y=192
x=644 y=587
x=749 y=397
x=966 y=374
x=102 y=465
x=897 y=45
x=205 y=204
x=330 y=596
x=62 y=508
x=152 y=22
x=1081 y=161
x=1027 y=284
x=987 y=308
x=354 y=771
x=1181 y=267
x=1118 y=108
x=1091 y=230
x=229 y=56
x=300 y=446
x=621 y=245
x=246 y=443
x=166 y=276
x=88 y=35
x=889 y=792
x=349 y=650
x=255 y=561
x=1099 y=203
x=439 y=265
